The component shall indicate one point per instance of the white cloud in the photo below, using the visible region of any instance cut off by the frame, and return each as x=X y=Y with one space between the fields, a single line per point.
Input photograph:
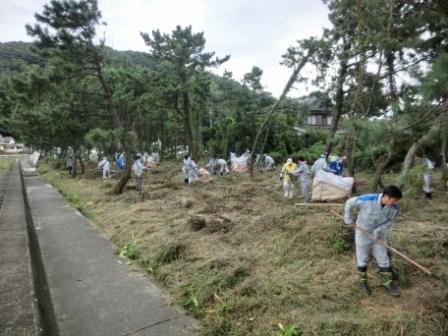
x=255 y=32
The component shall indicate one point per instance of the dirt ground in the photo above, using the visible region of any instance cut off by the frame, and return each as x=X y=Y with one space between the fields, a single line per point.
x=242 y=259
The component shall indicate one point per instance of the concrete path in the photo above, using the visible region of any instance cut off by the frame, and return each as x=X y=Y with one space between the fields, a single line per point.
x=93 y=292
x=18 y=311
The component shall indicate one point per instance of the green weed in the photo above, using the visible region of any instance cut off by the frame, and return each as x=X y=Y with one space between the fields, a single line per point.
x=340 y=241
x=5 y=165
x=129 y=250
x=291 y=330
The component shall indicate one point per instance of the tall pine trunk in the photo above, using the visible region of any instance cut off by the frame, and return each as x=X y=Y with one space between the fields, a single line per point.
x=444 y=135
x=292 y=79
x=407 y=163
x=74 y=160
x=338 y=110
x=384 y=161
x=81 y=162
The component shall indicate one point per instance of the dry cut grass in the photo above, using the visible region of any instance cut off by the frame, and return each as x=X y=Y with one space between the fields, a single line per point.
x=240 y=258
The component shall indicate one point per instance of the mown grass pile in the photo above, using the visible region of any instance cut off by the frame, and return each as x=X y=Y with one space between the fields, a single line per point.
x=244 y=261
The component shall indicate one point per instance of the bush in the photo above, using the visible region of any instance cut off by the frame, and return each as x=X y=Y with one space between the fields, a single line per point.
x=279 y=157
x=412 y=184
x=312 y=153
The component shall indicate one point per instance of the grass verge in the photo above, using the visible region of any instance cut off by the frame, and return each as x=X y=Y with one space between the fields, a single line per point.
x=244 y=261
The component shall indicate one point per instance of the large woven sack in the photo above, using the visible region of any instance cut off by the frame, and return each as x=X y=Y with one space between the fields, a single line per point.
x=330 y=187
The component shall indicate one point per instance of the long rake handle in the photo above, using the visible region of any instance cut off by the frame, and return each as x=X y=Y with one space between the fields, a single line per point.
x=405 y=257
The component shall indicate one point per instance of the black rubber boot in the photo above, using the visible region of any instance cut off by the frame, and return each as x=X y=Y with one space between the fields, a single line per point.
x=364 y=283
x=388 y=284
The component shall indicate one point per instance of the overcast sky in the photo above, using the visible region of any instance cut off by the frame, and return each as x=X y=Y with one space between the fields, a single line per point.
x=252 y=32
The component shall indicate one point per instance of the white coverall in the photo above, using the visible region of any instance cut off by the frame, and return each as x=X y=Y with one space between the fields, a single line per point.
x=305 y=180
x=269 y=162
x=105 y=165
x=190 y=170
x=374 y=218
x=138 y=170
x=320 y=164
x=427 y=176
x=218 y=166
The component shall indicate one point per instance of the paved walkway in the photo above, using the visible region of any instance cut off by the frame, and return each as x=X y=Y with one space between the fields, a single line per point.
x=93 y=292
x=18 y=312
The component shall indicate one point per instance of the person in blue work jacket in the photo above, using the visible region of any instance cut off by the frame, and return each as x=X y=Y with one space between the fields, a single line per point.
x=376 y=213
x=337 y=166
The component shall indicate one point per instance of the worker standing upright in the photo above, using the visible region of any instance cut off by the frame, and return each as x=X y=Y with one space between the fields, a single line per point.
x=288 y=184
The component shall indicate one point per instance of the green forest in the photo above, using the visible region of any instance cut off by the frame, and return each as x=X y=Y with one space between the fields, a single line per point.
x=381 y=71
x=232 y=251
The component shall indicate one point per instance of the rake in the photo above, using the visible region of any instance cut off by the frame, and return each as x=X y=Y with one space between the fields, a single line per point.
x=402 y=255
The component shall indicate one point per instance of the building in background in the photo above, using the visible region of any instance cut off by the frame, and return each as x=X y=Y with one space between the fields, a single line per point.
x=318 y=113
x=9 y=146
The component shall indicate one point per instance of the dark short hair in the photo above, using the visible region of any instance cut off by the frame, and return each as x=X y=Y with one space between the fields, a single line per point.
x=301 y=158
x=393 y=191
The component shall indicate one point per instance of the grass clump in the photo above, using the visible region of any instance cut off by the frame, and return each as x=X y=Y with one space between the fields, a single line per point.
x=170 y=253
x=5 y=164
x=129 y=250
x=220 y=224
x=341 y=240
x=196 y=223
x=291 y=330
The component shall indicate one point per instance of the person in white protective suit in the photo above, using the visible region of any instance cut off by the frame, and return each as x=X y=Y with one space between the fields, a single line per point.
x=269 y=162
x=190 y=170
x=259 y=161
x=288 y=184
x=218 y=166
x=427 y=178
x=184 y=168
x=320 y=164
x=105 y=166
x=303 y=172
x=69 y=164
x=376 y=213
x=138 y=168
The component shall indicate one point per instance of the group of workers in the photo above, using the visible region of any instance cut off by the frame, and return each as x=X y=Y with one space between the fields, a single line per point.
x=376 y=212
x=291 y=170
x=219 y=166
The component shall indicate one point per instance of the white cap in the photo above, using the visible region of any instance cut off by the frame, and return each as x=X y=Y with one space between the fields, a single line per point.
x=289 y=160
